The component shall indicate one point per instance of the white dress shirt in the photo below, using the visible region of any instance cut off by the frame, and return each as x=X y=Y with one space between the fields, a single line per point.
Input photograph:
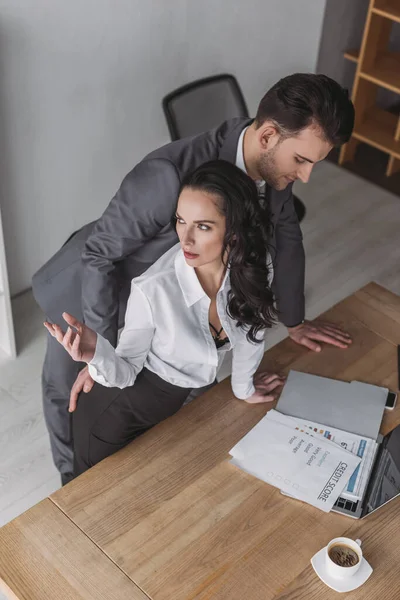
x=166 y=323
x=167 y=331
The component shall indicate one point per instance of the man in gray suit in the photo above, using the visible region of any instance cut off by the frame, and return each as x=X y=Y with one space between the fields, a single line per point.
x=298 y=121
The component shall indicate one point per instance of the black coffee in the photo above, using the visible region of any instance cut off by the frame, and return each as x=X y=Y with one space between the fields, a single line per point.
x=343 y=555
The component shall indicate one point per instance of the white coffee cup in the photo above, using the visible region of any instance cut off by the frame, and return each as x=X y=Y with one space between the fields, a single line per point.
x=336 y=570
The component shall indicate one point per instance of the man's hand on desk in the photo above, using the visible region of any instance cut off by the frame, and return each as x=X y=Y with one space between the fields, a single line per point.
x=268 y=387
x=309 y=334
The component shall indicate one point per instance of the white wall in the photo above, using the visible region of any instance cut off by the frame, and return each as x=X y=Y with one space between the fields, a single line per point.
x=80 y=89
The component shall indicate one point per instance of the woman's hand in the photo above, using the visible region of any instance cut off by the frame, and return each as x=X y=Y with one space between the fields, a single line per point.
x=80 y=344
x=268 y=387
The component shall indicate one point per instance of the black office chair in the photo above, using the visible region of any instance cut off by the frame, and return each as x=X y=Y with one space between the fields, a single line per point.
x=204 y=104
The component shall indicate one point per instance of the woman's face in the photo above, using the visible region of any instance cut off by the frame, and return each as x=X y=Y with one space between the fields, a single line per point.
x=200 y=227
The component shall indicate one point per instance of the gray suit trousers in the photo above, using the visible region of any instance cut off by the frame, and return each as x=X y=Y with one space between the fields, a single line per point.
x=58 y=376
x=62 y=277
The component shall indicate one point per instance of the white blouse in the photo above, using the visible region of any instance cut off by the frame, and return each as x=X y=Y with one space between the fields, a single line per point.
x=167 y=331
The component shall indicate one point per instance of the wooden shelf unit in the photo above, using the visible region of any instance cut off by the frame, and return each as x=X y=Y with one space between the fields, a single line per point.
x=377 y=67
x=378 y=129
x=387 y=8
x=353 y=55
x=385 y=72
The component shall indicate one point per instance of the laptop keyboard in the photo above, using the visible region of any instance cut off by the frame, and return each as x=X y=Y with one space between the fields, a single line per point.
x=346 y=504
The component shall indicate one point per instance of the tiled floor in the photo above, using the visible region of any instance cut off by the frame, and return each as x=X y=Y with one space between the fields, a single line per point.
x=351 y=237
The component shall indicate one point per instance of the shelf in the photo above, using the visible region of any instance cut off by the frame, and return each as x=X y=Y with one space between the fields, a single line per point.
x=393 y=166
x=397 y=134
x=353 y=54
x=385 y=72
x=378 y=130
x=389 y=9
x=377 y=67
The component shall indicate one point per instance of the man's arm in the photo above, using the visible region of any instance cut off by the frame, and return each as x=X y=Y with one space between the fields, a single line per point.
x=143 y=205
x=289 y=287
x=289 y=270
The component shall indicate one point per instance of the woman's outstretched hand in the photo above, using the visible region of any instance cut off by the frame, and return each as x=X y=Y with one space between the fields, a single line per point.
x=268 y=387
x=79 y=340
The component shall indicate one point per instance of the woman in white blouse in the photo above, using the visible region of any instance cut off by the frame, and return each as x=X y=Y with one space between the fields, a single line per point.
x=208 y=294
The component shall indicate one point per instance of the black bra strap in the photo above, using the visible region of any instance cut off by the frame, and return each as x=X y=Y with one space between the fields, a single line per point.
x=218 y=333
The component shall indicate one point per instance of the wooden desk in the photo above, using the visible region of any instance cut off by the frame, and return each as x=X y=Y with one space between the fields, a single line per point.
x=182 y=523
x=44 y=556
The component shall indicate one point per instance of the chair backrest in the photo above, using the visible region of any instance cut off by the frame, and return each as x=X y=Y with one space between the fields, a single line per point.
x=202 y=105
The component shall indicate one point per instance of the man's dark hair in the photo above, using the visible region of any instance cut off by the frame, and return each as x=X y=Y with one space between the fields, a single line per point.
x=305 y=99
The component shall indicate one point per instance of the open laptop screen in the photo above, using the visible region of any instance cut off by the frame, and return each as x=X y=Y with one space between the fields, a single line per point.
x=386 y=477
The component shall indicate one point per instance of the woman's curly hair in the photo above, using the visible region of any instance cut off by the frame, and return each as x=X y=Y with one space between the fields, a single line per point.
x=250 y=300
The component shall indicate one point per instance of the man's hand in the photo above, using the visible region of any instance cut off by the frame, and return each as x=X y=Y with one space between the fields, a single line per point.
x=83 y=382
x=268 y=387
x=309 y=334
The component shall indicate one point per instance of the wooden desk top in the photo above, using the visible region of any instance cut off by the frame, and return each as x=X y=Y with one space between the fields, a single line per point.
x=44 y=556
x=182 y=523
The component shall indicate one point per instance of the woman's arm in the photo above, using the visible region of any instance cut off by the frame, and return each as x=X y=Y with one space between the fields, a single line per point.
x=246 y=359
x=108 y=366
x=119 y=367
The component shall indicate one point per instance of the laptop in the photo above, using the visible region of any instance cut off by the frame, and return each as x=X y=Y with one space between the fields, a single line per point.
x=383 y=483
x=357 y=408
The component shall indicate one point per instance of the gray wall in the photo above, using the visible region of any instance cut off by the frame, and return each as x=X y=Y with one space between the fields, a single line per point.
x=343 y=28
x=80 y=90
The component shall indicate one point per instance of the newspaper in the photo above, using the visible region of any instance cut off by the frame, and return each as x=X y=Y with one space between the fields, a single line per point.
x=313 y=469
x=361 y=446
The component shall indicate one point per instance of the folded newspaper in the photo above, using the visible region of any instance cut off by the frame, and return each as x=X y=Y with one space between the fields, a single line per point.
x=361 y=446
x=311 y=468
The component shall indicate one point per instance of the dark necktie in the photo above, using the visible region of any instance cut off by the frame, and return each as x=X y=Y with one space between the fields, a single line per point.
x=261 y=195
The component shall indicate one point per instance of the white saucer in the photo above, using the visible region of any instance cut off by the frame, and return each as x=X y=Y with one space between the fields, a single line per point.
x=340 y=585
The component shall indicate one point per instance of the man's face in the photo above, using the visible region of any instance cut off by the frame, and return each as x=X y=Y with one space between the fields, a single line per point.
x=282 y=161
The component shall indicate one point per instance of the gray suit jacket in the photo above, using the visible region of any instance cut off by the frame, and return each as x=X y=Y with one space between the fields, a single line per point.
x=96 y=266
